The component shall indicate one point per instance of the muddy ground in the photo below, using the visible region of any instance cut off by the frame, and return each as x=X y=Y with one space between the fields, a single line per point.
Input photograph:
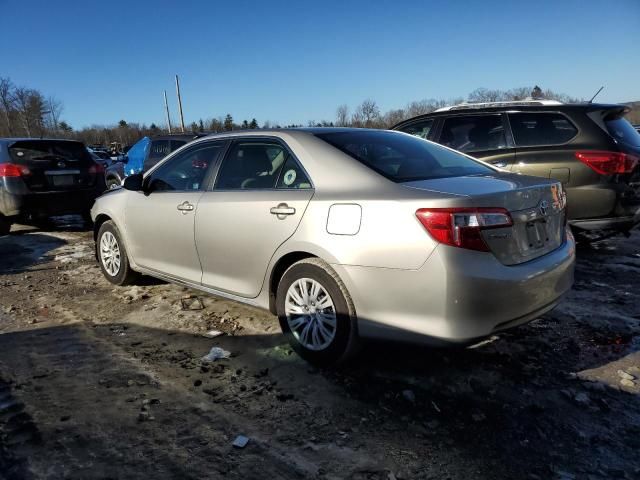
x=104 y=382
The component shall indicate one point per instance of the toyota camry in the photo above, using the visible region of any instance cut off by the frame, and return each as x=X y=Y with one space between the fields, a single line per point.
x=344 y=234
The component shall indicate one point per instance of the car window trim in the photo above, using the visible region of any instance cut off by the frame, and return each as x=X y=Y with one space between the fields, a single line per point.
x=257 y=139
x=189 y=146
x=578 y=131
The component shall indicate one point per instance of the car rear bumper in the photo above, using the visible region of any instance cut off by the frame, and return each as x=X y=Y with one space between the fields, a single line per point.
x=48 y=203
x=458 y=295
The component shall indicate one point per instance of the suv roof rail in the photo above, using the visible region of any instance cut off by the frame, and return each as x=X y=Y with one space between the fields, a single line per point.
x=515 y=103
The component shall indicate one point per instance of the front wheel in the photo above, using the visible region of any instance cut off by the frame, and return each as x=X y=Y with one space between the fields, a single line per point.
x=112 y=255
x=316 y=313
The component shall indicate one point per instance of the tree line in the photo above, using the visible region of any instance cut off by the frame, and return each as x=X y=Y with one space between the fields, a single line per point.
x=27 y=112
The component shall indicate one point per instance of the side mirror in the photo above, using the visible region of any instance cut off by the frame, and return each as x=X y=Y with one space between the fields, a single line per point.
x=133 y=182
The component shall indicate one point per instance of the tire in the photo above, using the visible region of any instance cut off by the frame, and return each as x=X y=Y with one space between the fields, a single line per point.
x=5 y=226
x=123 y=274
x=342 y=342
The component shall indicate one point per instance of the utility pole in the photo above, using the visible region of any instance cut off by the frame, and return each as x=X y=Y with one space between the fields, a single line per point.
x=166 y=109
x=179 y=103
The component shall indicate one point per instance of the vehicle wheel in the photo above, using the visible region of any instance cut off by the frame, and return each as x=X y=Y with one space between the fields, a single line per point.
x=5 y=226
x=112 y=183
x=316 y=313
x=112 y=255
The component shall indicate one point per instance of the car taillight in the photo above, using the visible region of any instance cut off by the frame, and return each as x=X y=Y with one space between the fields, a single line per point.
x=13 y=170
x=608 y=163
x=462 y=227
x=96 y=168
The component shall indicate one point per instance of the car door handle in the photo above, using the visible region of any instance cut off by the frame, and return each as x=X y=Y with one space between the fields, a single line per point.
x=499 y=164
x=282 y=209
x=185 y=207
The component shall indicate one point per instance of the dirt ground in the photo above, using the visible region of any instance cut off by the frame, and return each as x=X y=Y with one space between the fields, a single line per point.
x=100 y=382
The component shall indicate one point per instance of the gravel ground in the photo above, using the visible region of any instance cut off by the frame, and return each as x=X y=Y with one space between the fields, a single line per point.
x=105 y=382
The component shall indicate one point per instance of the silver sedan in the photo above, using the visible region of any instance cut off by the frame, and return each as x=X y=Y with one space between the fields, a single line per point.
x=344 y=234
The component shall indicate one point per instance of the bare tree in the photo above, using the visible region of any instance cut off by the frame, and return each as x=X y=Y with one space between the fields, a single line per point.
x=342 y=116
x=367 y=114
x=55 y=110
x=486 y=95
x=7 y=102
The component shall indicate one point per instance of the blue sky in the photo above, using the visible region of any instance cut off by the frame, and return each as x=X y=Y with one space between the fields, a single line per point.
x=291 y=62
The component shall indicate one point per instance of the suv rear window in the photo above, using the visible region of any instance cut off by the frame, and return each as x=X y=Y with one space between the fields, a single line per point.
x=25 y=151
x=473 y=133
x=623 y=131
x=531 y=129
x=403 y=158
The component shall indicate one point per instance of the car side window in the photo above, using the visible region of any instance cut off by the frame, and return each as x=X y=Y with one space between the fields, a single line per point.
x=292 y=175
x=419 y=129
x=185 y=171
x=473 y=133
x=531 y=129
x=159 y=149
x=258 y=165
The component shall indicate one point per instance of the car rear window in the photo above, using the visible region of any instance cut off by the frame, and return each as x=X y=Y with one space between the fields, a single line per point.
x=531 y=129
x=623 y=131
x=26 y=151
x=401 y=157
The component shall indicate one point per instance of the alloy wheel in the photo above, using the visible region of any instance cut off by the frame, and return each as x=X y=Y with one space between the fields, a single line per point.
x=311 y=315
x=110 y=253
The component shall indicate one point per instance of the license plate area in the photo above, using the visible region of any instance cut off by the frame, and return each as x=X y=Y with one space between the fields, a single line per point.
x=62 y=178
x=537 y=234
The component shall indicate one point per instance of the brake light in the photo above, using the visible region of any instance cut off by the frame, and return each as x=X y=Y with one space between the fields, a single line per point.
x=13 y=170
x=96 y=168
x=462 y=227
x=608 y=163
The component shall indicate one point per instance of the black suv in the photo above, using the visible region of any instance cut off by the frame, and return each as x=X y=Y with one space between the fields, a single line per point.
x=143 y=155
x=40 y=178
x=589 y=147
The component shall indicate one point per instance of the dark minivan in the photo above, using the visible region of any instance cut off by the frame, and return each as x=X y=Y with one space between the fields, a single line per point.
x=41 y=178
x=591 y=148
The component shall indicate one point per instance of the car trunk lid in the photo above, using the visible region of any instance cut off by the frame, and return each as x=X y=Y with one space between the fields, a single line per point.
x=536 y=206
x=53 y=165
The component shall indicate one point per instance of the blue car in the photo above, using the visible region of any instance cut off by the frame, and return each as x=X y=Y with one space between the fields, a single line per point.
x=143 y=155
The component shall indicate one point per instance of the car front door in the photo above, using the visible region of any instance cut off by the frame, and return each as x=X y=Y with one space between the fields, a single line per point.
x=160 y=220
x=483 y=136
x=260 y=194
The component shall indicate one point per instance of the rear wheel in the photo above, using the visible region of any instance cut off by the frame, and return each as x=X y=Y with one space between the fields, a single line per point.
x=112 y=255
x=5 y=225
x=316 y=313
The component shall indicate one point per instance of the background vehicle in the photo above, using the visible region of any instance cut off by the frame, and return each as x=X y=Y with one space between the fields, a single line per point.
x=344 y=233
x=590 y=148
x=40 y=178
x=141 y=156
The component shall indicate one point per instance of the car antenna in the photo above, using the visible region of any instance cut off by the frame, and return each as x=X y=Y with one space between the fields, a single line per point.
x=591 y=101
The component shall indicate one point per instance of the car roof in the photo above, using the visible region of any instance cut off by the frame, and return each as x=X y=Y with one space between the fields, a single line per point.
x=539 y=106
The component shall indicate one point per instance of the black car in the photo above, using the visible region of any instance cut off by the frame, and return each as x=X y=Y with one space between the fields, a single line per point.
x=591 y=148
x=143 y=155
x=45 y=177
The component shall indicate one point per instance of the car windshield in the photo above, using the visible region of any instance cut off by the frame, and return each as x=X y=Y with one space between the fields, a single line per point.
x=624 y=132
x=401 y=157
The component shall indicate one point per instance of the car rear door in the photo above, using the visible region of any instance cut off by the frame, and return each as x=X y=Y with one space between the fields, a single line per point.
x=160 y=220
x=542 y=144
x=260 y=194
x=481 y=135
